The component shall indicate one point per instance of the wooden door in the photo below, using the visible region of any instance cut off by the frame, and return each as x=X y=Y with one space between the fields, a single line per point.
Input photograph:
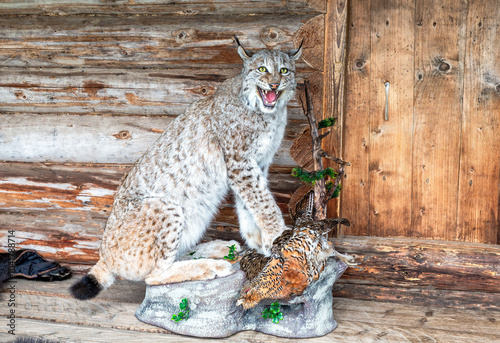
x=422 y=114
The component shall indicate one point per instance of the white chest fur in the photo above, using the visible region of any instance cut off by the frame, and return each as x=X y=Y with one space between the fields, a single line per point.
x=270 y=139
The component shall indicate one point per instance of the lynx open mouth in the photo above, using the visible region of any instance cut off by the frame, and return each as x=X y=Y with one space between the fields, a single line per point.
x=269 y=98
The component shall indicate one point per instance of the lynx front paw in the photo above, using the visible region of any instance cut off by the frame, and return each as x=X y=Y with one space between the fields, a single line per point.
x=268 y=239
x=266 y=249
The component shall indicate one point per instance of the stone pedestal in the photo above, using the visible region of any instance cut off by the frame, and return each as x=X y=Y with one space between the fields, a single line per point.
x=213 y=312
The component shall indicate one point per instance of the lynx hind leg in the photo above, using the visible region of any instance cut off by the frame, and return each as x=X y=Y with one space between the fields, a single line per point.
x=193 y=270
x=248 y=228
x=167 y=242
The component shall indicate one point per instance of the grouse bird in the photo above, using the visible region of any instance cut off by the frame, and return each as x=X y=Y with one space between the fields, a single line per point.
x=297 y=258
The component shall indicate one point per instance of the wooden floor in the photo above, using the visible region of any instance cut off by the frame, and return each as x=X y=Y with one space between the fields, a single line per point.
x=47 y=310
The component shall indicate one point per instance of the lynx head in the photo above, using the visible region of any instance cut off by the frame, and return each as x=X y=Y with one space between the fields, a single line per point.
x=268 y=78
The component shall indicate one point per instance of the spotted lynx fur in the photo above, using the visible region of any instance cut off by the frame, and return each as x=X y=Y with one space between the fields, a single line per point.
x=165 y=203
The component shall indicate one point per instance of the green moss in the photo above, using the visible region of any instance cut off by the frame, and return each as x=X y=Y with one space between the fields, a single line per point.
x=184 y=313
x=336 y=193
x=311 y=177
x=327 y=122
x=232 y=253
x=273 y=312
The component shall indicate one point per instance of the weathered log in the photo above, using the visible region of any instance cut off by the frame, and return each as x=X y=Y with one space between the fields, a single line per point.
x=61 y=209
x=422 y=264
x=441 y=298
x=112 y=91
x=144 y=42
x=155 y=7
x=407 y=265
x=95 y=139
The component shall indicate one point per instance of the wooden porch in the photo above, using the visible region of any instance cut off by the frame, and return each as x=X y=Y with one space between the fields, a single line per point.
x=47 y=310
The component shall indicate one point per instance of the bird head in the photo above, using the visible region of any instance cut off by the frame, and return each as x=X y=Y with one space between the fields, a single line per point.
x=249 y=298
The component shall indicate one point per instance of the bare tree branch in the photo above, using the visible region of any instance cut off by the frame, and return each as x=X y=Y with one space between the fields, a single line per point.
x=321 y=195
x=319 y=186
x=326 y=155
x=320 y=138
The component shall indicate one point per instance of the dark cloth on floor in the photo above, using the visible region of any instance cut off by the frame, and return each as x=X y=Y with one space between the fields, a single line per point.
x=30 y=264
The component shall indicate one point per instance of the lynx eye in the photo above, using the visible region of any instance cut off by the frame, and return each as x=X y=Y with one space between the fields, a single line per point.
x=284 y=71
x=262 y=69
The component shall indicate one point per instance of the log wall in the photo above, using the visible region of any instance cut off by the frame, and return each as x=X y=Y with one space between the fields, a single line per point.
x=86 y=86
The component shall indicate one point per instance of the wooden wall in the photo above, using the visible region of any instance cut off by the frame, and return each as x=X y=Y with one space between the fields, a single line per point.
x=87 y=86
x=428 y=166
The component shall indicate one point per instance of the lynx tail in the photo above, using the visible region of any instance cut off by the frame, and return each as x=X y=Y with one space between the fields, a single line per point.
x=99 y=278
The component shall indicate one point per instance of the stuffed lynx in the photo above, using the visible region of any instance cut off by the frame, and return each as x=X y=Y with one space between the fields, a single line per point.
x=167 y=200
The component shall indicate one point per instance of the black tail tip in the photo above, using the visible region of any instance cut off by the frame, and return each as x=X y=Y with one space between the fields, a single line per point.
x=86 y=288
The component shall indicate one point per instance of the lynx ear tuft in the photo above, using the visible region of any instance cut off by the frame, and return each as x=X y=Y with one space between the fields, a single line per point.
x=295 y=54
x=244 y=54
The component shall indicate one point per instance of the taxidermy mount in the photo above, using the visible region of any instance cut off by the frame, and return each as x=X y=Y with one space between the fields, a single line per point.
x=165 y=203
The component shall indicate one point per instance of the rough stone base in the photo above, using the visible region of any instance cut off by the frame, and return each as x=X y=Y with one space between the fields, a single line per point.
x=213 y=312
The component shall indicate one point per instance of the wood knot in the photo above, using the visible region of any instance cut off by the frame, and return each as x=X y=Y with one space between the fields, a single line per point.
x=203 y=90
x=123 y=135
x=188 y=12
x=272 y=36
x=444 y=66
x=359 y=64
x=183 y=36
x=20 y=95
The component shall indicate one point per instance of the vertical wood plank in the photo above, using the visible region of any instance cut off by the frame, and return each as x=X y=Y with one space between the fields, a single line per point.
x=355 y=198
x=333 y=81
x=480 y=143
x=439 y=52
x=392 y=61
